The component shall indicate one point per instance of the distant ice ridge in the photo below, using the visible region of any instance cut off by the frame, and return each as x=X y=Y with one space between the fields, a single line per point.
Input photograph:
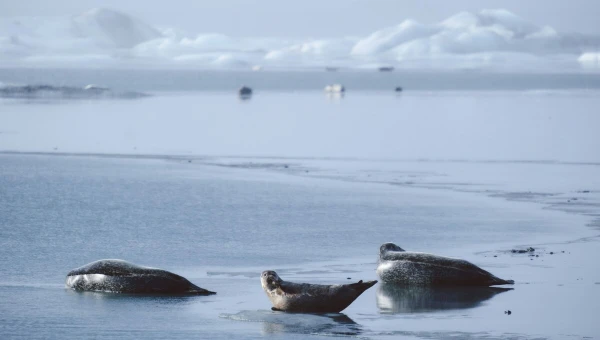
x=495 y=39
x=90 y=91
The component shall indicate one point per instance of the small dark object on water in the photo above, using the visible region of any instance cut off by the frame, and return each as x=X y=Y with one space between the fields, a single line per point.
x=245 y=91
x=507 y=312
x=386 y=69
x=349 y=278
x=537 y=256
x=286 y=166
x=563 y=251
x=523 y=251
x=189 y=160
x=398 y=89
x=585 y=191
x=495 y=255
x=551 y=253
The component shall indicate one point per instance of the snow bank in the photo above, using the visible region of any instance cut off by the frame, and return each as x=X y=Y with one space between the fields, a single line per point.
x=590 y=60
x=487 y=39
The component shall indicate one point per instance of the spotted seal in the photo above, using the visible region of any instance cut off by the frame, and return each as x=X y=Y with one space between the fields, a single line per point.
x=310 y=298
x=401 y=267
x=120 y=276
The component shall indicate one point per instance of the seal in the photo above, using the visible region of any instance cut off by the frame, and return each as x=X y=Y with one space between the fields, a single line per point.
x=310 y=298
x=401 y=267
x=120 y=276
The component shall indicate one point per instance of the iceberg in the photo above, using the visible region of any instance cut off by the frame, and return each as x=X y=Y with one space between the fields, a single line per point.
x=491 y=38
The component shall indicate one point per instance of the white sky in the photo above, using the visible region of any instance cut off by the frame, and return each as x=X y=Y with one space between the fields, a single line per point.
x=312 y=18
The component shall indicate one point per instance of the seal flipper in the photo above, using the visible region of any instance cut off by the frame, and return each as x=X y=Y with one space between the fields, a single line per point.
x=499 y=281
x=195 y=290
x=361 y=286
x=201 y=291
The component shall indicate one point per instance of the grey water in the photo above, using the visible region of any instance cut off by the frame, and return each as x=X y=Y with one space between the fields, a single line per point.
x=142 y=180
x=60 y=212
x=306 y=80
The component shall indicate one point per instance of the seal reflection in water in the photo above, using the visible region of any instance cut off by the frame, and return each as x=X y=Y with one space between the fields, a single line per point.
x=310 y=298
x=120 y=276
x=398 y=266
x=393 y=299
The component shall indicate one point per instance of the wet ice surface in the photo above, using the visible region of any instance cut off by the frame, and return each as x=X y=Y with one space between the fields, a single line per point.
x=219 y=221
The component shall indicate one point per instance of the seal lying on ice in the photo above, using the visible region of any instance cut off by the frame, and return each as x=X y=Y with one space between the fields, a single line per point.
x=398 y=266
x=310 y=298
x=123 y=277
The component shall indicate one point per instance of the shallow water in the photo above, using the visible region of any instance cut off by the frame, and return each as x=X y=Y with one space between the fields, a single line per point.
x=459 y=126
x=174 y=202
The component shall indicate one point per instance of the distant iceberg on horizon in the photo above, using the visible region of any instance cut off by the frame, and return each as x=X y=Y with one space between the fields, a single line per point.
x=45 y=91
x=494 y=39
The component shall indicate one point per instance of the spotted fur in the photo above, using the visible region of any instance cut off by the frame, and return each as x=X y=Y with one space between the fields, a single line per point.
x=398 y=266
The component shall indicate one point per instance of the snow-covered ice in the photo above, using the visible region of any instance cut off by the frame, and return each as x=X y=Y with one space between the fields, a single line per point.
x=490 y=39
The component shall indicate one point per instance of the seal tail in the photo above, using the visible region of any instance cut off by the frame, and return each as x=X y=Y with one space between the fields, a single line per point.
x=361 y=286
x=195 y=290
x=498 y=281
x=202 y=291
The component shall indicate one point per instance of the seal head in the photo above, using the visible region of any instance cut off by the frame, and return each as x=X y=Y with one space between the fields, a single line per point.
x=270 y=281
x=388 y=247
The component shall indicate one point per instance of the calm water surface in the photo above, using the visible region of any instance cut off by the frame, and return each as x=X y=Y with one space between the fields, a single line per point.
x=220 y=226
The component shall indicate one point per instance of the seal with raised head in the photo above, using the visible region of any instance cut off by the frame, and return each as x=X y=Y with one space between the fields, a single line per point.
x=120 y=276
x=310 y=298
x=402 y=267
